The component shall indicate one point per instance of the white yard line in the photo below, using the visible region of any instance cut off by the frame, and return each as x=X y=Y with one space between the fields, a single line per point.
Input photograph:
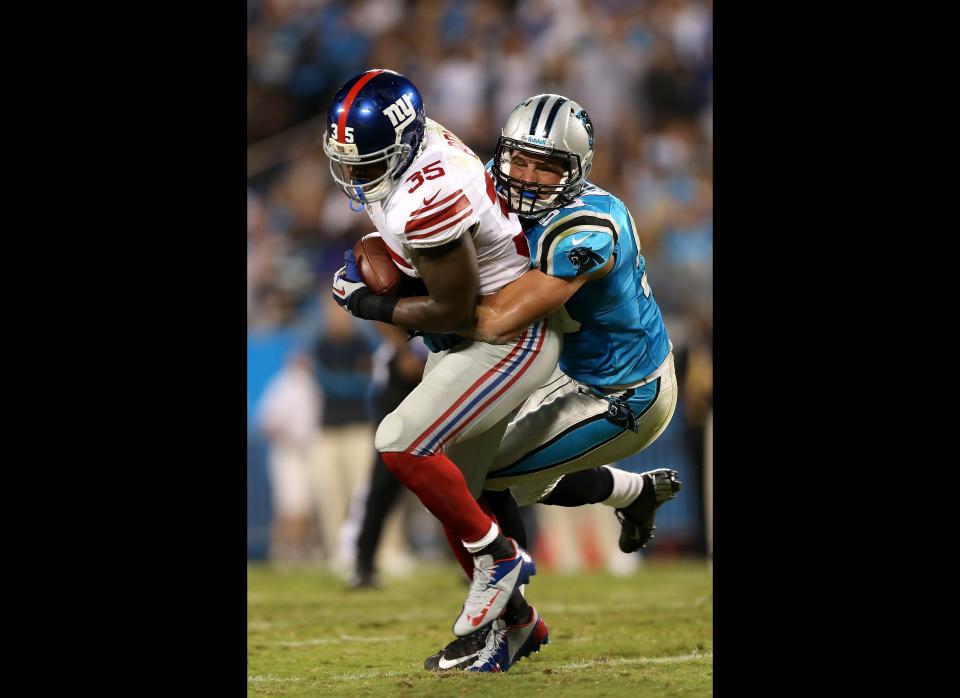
x=363 y=675
x=260 y=625
x=571 y=666
x=627 y=661
x=342 y=638
x=549 y=608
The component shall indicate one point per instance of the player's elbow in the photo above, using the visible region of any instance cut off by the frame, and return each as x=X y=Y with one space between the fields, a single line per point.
x=455 y=313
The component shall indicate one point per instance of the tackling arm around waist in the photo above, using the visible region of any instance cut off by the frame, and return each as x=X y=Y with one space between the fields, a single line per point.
x=502 y=316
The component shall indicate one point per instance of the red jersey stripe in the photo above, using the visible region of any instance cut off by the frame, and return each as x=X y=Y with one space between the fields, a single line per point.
x=447 y=226
x=437 y=216
x=435 y=204
x=398 y=259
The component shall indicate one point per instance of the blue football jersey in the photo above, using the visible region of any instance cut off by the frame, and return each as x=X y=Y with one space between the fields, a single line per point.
x=613 y=330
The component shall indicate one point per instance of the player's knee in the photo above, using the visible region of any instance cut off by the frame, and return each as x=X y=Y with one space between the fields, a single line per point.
x=389 y=433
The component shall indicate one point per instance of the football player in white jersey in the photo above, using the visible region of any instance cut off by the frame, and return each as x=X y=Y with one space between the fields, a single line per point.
x=435 y=207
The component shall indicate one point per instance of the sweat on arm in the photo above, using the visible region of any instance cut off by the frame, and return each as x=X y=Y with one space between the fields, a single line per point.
x=570 y=260
x=501 y=317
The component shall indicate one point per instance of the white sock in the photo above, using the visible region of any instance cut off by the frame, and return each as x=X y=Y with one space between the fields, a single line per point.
x=478 y=545
x=626 y=488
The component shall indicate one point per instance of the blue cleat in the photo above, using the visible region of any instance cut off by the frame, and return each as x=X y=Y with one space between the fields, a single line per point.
x=508 y=644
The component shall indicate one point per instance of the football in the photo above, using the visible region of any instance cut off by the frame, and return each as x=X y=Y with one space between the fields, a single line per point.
x=379 y=272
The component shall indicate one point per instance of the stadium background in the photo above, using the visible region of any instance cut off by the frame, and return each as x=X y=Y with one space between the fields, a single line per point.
x=643 y=70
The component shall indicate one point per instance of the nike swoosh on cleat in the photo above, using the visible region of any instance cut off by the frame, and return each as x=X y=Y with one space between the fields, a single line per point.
x=427 y=202
x=339 y=292
x=445 y=664
x=475 y=620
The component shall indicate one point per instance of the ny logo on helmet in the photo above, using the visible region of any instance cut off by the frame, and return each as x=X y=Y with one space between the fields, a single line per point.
x=401 y=113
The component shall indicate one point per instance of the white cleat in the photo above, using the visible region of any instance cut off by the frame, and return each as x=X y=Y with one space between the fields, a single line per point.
x=493 y=583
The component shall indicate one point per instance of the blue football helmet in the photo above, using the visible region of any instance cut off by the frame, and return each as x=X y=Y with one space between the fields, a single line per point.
x=374 y=131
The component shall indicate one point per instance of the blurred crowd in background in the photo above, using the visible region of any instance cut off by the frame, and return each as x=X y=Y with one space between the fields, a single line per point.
x=643 y=71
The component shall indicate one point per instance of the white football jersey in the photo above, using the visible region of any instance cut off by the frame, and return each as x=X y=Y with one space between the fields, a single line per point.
x=443 y=193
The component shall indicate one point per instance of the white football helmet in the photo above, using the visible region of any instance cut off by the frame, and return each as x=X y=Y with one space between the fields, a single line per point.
x=549 y=126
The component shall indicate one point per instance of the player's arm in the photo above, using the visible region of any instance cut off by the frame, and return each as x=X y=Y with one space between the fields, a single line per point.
x=450 y=274
x=502 y=316
x=582 y=254
x=448 y=271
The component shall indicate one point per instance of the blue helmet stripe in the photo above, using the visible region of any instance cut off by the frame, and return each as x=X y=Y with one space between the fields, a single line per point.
x=552 y=116
x=536 y=115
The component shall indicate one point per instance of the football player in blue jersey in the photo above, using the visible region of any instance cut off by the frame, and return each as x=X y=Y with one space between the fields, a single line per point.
x=614 y=390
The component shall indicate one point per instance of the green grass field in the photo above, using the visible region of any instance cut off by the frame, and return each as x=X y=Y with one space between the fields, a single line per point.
x=649 y=634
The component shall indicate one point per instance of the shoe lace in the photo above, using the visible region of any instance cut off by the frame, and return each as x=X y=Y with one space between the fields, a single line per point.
x=481 y=578
x=666 y=486
x=496 y=636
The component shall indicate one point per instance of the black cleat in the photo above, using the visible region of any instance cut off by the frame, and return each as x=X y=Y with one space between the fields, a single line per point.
x=636 y=520
x=460 y=653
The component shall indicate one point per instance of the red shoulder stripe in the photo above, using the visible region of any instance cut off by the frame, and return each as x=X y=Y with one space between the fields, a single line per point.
x=439 y=216
x=446 y=226
x=436 y=204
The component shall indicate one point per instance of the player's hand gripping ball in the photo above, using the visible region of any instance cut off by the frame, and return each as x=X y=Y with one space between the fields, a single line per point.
x=377 y=269
x=347 y=281
x=380 y=273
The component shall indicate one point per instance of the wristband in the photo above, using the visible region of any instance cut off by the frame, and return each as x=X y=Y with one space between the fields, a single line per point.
x=367 y=305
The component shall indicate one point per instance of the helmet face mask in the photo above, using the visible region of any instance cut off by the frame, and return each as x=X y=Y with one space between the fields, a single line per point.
x=368 y=178
x=529 y=198
x=556 y=134
x=375 y=128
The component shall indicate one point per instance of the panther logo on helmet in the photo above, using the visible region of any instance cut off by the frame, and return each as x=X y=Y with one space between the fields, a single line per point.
x=587 y=124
